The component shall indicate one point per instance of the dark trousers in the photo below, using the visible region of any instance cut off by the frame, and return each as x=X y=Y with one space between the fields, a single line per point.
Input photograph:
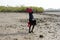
x=32 y=25
x=31 y=30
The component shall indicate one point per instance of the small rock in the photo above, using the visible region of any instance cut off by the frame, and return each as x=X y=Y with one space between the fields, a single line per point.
x=41 y=36
x=46 y=24
x=15 y=39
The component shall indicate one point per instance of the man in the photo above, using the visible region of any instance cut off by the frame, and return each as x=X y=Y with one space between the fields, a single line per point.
x=31 y=22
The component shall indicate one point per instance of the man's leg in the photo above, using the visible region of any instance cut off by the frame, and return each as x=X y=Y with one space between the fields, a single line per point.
x=32 y=28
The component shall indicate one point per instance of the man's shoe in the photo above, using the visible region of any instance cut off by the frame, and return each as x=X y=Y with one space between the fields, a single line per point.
x=32 y=31
x=29 y=32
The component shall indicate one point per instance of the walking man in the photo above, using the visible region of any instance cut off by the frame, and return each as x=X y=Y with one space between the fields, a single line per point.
x=32 y=21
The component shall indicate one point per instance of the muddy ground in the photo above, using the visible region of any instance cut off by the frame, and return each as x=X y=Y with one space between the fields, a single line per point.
x=13 y=26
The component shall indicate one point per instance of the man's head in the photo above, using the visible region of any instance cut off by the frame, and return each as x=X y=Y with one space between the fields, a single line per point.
x=29 y=10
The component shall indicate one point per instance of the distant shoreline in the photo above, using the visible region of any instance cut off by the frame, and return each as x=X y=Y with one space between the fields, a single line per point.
x=44 y=13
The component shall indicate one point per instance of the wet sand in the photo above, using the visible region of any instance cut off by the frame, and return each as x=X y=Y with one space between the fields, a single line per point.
x=13 y=26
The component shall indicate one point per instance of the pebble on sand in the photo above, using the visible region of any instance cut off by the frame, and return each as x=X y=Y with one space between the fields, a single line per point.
x=41 y=36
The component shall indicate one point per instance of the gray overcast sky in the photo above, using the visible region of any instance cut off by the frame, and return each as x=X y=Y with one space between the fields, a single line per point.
x=40 y=3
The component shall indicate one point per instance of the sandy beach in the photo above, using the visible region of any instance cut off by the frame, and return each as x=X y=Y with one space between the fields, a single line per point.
x=13 y=26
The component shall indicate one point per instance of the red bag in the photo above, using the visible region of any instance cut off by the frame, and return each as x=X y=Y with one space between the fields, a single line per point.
x=29 y=24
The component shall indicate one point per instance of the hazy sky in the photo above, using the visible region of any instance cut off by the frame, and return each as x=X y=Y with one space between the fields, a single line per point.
x=40 y=3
